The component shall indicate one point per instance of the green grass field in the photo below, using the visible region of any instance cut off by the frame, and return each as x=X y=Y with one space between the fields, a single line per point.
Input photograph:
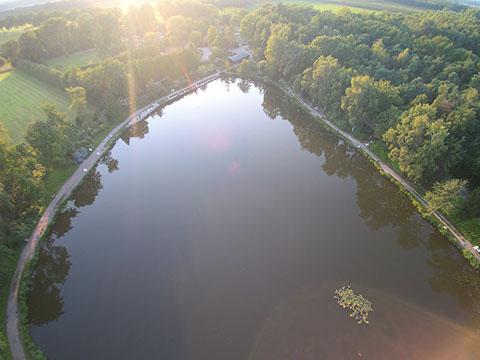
x=22 y=99
x=82 y=58
x=354 y=5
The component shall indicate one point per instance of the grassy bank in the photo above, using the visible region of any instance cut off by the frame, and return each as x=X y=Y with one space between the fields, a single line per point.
x=22 y=99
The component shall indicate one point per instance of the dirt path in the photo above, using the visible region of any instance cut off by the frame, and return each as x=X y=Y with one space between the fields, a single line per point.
x=12 y=318
x=464 y=243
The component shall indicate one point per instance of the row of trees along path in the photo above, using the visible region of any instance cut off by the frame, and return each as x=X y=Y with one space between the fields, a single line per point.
x=447 y=225
x=13 y=331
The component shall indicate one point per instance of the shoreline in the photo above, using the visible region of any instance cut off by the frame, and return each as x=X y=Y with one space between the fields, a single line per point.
x=28 y=253
x=417 y=199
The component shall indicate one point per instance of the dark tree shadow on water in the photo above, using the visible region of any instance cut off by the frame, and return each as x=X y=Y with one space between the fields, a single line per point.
x=381 y=205
x=379 y=201
x=45 y=301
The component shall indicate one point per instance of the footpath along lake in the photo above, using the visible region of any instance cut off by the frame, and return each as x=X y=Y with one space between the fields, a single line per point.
x=221 y=227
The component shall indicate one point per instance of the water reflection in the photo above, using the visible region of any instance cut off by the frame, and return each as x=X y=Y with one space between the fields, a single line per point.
x=379 y=202
x=50 y=273
x=380 y=206
x=45 y=303
x=454 y=276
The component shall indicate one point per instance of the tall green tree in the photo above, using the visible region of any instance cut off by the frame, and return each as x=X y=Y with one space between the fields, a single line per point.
x=325 y=83
x=418 y=144
x=446 y=196
x=50 y=138
x=371 y=106
x=107 y=32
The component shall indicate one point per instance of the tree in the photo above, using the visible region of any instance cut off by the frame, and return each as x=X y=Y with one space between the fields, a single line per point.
x=107 y=34
x=325 y=82
x=446 y=196
x=152 y=40
x=103 y=81
x=31 y=47
x=78 y=98
x=212 y=33
x=195 y=38
x=6 y=208
x=50 y=138
x=146 y=18
x=418 y=144
x=379 y=50
x=177 y=29
x=10 y=49
x=371 y=106
x=277 y=47
x=54 y=35
x=78 y=103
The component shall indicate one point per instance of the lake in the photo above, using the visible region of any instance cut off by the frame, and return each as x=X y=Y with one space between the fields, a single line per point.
x=221 y=227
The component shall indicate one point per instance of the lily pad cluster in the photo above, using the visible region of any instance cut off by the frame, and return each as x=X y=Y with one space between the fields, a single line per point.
x=359 y=307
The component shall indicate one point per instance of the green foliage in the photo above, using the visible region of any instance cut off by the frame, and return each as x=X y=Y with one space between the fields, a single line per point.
x=471 y=229
x=472 y=260
x=211 y=34
x=8 y=261
x=51 y=139
x=107 y=34
x=141 y=19
x=358 y=306
x=418 y=144
x=471 y=207
x=407 y=81
x=103 y=81
x=446 y=196
x=371 y=106
x=177 y=29
x=325 y=83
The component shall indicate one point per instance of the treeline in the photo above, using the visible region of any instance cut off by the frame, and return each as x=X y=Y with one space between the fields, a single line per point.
x=50 y=76
x=60 y=35
x=434 y=4
x=100 y=94
x=408 y=83
x=36 y=14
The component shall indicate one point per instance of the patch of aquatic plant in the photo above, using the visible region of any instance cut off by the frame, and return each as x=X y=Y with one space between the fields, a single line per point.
x=358 y=306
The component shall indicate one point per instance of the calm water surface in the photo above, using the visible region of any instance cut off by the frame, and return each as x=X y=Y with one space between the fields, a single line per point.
x=220 y=229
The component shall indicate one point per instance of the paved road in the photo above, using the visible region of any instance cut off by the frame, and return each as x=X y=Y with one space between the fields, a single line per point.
x=464 y=243
x=14 y=340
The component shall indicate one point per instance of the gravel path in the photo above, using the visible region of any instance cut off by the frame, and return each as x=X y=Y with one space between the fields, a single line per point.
x=12 y=319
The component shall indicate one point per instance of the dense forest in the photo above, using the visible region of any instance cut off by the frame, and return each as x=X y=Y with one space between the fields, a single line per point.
x=406 y=83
